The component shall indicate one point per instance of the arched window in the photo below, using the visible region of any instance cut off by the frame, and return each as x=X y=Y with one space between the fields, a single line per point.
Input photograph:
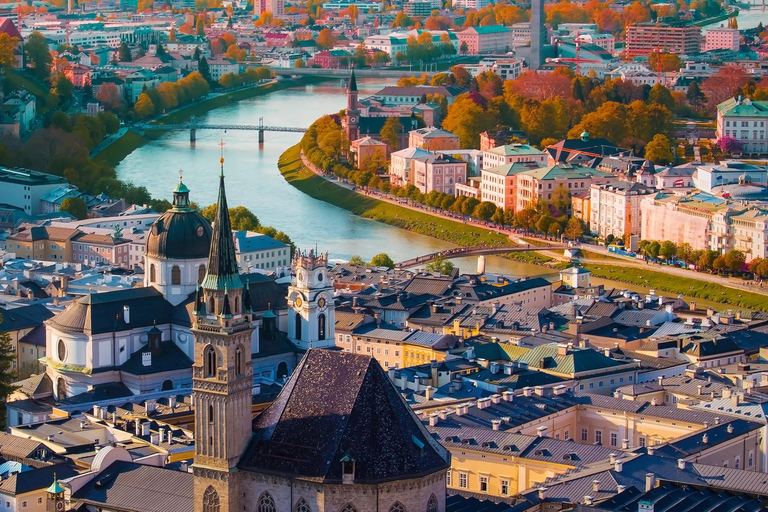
x=211 y=307
x=282 y=370
x=175 y=275
x=167 y=385
x=200 y=273
x=432 y=504
x=239 y=360
x=348 y=508
x=321 y=326
x=298 y=326
x=209 y=361
x=397 y=507
x=210 y=413
x=266 y=503
x=210 y=500
x=152 y=277
x=62 y=351
x=302 y=506
x=61 y=389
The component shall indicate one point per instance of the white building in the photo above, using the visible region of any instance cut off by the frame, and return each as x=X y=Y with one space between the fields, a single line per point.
x=637 y=74
x=311 y=314
x=21 y=107
x=470 y=4
x=25 y=188
x=744 y=120
x=221 y=66
x=605 y=41
x=708 y=177
x=257 y=251
x=390 y=43
x=400 y=165
x=521 y=34
x=511 y=153
x=722 y=39
x=615 y=208
x=508 y=69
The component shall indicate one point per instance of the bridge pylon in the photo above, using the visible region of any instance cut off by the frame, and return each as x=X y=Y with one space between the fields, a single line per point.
x=261 y=130
x=192 y=131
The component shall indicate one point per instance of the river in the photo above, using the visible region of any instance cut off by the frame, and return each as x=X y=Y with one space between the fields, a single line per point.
x=253 y=180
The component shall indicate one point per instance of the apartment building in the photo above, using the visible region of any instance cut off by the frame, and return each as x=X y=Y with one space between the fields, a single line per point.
x=42 y=243
x=497 y=184
x=93 y=249
x=645 y=38
x=489 y=39
x=680 y=219
x=400 y=163
x=258 y=251
x=722 y=38
x=438 y=172
x=24 y=188
x=540 y=183
x=433 y=139
x=744 y=120
x=512 y=153
x=615 y=208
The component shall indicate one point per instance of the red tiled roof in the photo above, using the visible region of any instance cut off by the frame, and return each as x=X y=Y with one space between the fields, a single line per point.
x=7 y=26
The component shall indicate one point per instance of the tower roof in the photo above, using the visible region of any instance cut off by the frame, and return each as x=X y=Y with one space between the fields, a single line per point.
x=333 y=403
x=222 y=270
x=352 y=81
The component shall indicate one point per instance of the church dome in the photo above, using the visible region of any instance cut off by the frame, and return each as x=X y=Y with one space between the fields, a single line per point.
x=181 y=232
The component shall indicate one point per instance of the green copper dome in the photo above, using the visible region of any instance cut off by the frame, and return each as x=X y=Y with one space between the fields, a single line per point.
x=180 y=233
x=55 y=488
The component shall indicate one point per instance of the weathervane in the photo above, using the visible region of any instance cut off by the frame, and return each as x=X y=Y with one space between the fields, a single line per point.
x=221 y=160
x=181 y=175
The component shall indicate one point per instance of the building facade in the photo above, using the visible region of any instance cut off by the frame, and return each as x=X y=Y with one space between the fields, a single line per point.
x=616 y=208
x=645 y=38
x=438 y=172
x=744 y=120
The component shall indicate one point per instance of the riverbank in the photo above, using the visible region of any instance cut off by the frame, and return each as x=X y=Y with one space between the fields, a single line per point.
x=299 y=176
x=132 y=140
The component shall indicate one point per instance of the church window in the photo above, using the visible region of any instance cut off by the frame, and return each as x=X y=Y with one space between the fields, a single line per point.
x=61 y=389
x=298 y=326
x=167 y=385
x=210 y=500
x=210 y=414
x=152 y=277
x=321 y=326
x=432 y=504
x=209 y=360
x=282 y=370
x=266 y=503
x=302 y=506
x=239 y=360
x=211 y=306
x=397 y=507
x=200 y=273
x=62 y=351
x=175 y=275
x=348 y=508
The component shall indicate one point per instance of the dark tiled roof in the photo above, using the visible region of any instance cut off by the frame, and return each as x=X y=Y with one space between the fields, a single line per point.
x=24 y=317
x=35 y=479
x=35 y=385
x=98 y=313
x=100 y=392
x=35 y=337
x=131 y=486
x=674 y=498
x=168 y=357
x=338 y=404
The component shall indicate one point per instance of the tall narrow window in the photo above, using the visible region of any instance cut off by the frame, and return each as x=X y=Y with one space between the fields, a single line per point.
x=152 y=276
x=200 y=273
x=321 y=326
x=432 y=504
x=175 y=275
x=298 y=326
x=210 y=500
x=239 y=361
x=302 y=506
x=209 y=359
x=266 y=503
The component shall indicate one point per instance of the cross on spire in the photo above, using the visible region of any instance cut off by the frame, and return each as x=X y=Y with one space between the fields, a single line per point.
x=221 y=160
x=181 y=175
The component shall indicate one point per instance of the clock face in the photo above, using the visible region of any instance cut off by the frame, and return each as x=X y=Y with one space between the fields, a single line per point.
x=321 y=303
x=59 y=505
x=353 y=119
x=200 y=230
x=298 y=302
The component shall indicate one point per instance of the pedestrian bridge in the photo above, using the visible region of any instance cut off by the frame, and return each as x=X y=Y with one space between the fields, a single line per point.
x=461 y=252
x=193 y=126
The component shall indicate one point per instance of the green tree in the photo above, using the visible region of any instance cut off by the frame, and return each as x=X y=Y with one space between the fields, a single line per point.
x=661 y=95
x=76 y=207
x=463 y=48
x=124 y=53
x=38 y=55
x=653 y=249
x=735 y=260
x=469 y=205
x=441 y=265
x=63 y=87
x=484 y=210
x=7 y=372
x=561 y=199
x=241 y=218
x=659 y=150
x=543 y=223
x=720 y=263
x=574 y=229
x=390 y=133
x=382 y=260
x=685 y=252
x=356 y=260
x=696 y=98
x=668 y=250
x=204 y=69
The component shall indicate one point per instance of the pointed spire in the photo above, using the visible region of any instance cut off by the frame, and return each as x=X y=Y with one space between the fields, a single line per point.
x=352 y=81
x=226 y=311
x=222 y=261
x=247 y=306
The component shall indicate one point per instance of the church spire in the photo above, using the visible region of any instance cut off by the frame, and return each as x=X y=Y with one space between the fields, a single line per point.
x=222 y=270
x=352 y=82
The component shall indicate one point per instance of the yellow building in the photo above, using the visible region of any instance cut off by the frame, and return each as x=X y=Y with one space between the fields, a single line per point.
x=42 y=243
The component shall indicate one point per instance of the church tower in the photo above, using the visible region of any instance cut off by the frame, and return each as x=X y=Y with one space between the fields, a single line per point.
x=222 y=371
x=353 y=114
x=312 y=317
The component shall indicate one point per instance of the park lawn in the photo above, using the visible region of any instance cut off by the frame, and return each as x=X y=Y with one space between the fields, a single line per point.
x=122 y=147
x=296 y=174
x=680 y=285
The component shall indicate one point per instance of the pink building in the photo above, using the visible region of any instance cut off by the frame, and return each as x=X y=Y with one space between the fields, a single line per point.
x=438 y=172
x=93 y=249
x=722 y=38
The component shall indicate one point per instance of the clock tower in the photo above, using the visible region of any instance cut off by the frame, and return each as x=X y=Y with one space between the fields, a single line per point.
x=353 y=114
x=311 y=319
x=55 y=495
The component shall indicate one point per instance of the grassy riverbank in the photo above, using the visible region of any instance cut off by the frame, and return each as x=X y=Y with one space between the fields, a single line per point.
x=296 y=174
x=680 y=285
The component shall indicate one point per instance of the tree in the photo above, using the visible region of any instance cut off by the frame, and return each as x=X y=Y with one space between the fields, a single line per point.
x=441 y=265
x=729 y=144
x=204 y=69
x=38 y=55
x=109 y=96
x=63 y=87
x=299 y=64
x=7 y=49
x=723 y=84
x=695 y=97
x=124 y=53
x=463 y=48
x=574 y=229
x=659 y=150
x=75 y=206
x=668 y=250
x=200 y=25
x=241 y=218
x=7 y=372
x=685 y=252
x=469 y=205
x=325 y=39
x=653 y=249
x=720 y=264
x=735 y=260
x=356 y=260
x=382 y=260
x=390 y=133
x=353 y=13
x=661 y=95
x=484 y=210
x=467 y=119
x=172 y=34
x=235 y=53
x=561 y=199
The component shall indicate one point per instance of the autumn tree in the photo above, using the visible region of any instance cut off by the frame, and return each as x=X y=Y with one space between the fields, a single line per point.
x=659 y=150
x=353 y=13
x=7 y=49
x=468 y=120
x=200 y=25
x=441 y=265
x=109 y=95
x=325 y=39
x=668 y=61
x=696 y=98
x=661 y=95
x=390 y=133
x=723 y=84
x=574 y=229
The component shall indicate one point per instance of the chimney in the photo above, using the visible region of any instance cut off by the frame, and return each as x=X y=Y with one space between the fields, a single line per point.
x=183 y=466
x=429 y=392
x=154 y=438
x=717 y=420
x=650 y=482
x=729 y=428
x=433 y=418
x=693 y=306
x=651 y=450
x=595 y=486
x=705 y=438
x=620 y=488
x=539 y=390
x=588 y=500
x=541 y=431
x=508 y=396
x=494 y=367
x=127 y=314
x=150 y=405
x=527 y=391
x=661 y=380
x=726 y=393
x=618 y=466
x=137 y=427
x=680 y=464
x=699 y=388
x=83 y=424
x=97 y=411
x=145 y=428
x=496 y=398
x=542 y=493
x=172 y=402
x=625 y=444
x=443 y=414
x=509 y=369
x=710 y=311
x=496 y=424
x=612 y=458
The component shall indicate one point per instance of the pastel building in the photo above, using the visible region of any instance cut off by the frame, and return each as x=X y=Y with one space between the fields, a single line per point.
x=400 y=173
x=433 y=139
x=492 y=38
x=744 y=120
x=722 y=39
x=439 y=172
x=512 y=153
